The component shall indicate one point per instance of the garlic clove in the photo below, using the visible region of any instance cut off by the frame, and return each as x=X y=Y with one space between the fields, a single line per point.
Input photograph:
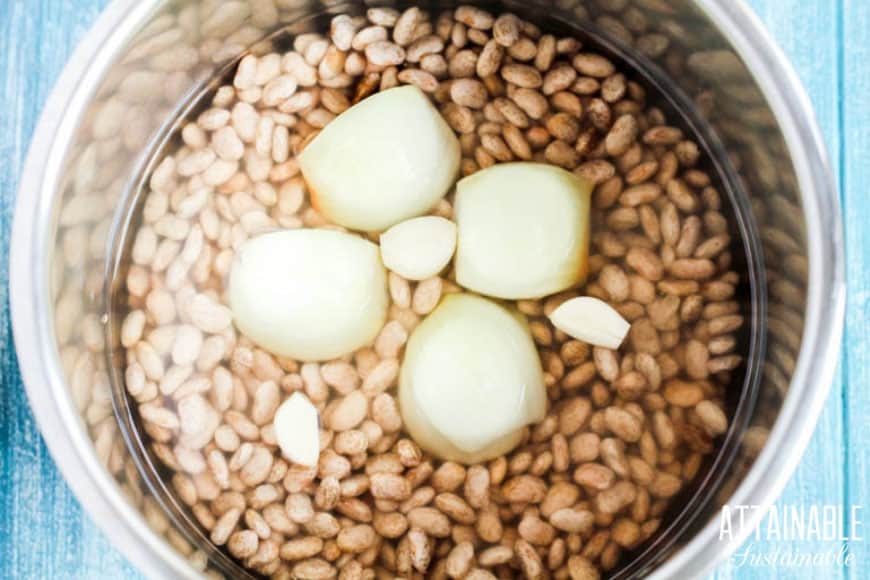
x=309 y=294
x=386 y=159
x=523 y=230
x=297 y=430
x=591 y=320
x=419 y=248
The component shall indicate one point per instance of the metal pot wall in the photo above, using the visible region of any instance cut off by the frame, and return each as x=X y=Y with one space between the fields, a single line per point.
x=144 y=58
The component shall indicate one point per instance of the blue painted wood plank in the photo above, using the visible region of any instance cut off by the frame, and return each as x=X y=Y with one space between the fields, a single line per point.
x=855 y=177
x=44 y=531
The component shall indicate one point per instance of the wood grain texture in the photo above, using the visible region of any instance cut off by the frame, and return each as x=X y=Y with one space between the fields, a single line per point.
x=855 y=179
x=45 y=534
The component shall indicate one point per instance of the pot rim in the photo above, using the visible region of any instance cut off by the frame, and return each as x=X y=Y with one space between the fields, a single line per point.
x=72 y=449
x=826 y=296
x=50 y=399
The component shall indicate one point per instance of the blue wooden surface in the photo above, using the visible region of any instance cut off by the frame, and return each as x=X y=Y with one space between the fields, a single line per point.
x=45 y=534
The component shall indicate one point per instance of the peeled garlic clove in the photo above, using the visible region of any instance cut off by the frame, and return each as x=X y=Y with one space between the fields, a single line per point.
x=523 y=230
x=471 y=380
x=297 y=430
x=419 y=248
x=591 y=320
x=309 y=294
x=389 y=158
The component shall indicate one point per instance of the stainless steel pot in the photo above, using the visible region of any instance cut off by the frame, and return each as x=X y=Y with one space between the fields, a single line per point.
x=143 y=60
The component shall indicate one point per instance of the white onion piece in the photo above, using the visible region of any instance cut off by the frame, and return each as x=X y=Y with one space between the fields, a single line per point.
x=297 y=430
x=591 y=320
x=471 y=380
x=388 y=158
x=309 y=294
x=523 y=230
x=419 y=248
